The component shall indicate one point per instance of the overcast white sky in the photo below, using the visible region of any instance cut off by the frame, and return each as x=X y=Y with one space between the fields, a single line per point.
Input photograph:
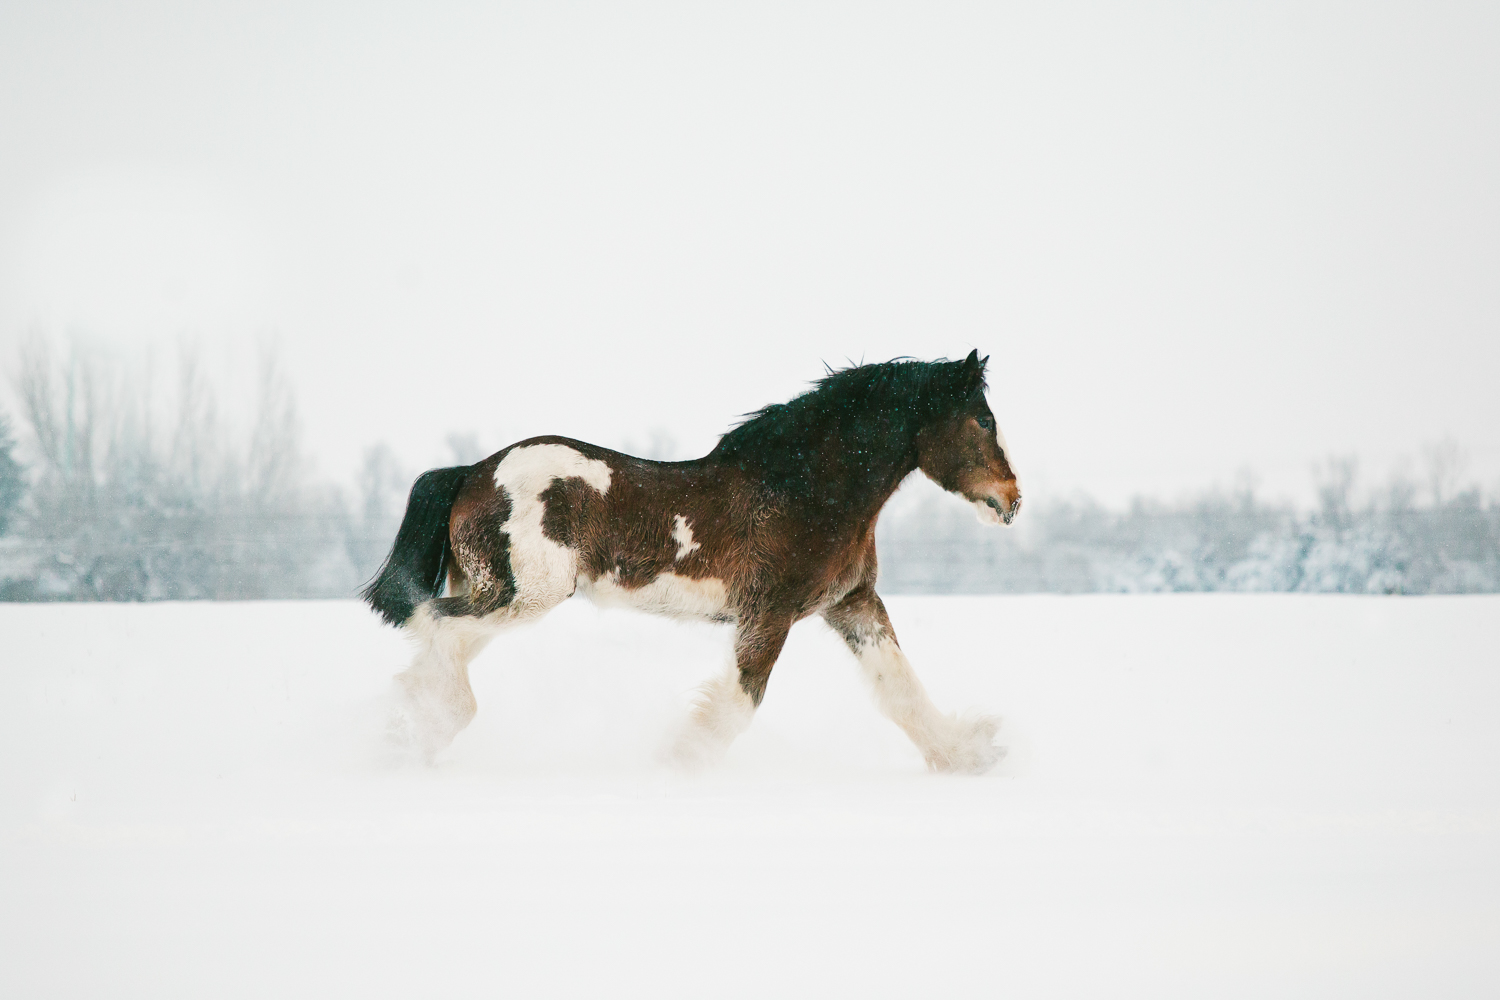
x=1194 y=237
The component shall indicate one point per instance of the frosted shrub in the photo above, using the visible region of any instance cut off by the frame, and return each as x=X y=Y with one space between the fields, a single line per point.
x=1366 y=559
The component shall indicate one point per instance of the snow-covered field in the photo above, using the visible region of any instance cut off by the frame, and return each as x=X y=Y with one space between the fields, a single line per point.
x=1206 y=796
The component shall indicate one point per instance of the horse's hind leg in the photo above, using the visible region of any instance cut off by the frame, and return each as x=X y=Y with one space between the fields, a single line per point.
x=437 y=701
x=513 y=561
x=949 y=743
x=450 y=631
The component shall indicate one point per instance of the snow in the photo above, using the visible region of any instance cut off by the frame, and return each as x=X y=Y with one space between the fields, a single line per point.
x=1206 y=795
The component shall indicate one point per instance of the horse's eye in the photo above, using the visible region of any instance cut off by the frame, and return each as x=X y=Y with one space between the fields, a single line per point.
x=986 y=421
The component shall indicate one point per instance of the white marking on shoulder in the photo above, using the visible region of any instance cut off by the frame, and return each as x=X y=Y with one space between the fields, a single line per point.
x=682 y=534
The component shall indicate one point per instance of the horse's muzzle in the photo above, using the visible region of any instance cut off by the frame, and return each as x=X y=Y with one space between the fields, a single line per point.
x=1007 y=514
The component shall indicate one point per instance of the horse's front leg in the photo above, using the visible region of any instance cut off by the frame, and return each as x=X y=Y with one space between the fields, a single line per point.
x=948 y=742
x=726 y=704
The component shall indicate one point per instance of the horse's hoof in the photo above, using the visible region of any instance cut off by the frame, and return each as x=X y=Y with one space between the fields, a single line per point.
x=970 y=747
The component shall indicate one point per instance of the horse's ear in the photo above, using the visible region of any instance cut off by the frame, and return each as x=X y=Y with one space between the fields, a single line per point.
x=974 y=370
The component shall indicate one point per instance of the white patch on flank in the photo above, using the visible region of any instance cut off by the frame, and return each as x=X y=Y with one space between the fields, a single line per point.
x=948 y=743
x=544 y=571
x=720 y=713
x=682 y=534
x=669 y=594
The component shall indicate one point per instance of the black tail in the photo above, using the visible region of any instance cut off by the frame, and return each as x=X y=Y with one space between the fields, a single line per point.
x=413 y=572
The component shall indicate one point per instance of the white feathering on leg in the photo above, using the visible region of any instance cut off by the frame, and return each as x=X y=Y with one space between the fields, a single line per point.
x=720 y=713
x=964 y=744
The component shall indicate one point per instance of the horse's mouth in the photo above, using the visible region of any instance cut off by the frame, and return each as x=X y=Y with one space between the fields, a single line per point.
x=1007 y=514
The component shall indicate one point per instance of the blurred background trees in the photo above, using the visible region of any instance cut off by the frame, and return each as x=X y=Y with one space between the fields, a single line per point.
x=143 y=491
x=12 y=484
x=1389 y=543
x=117 y=484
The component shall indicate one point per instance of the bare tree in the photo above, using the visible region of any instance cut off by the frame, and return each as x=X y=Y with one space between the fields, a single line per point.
x=122 y=514
x=61 y=410
x=1444 y=463
x=195 y=450
x=12 y=481
x=274 y=460
x=382 y=485
x=1335 y=477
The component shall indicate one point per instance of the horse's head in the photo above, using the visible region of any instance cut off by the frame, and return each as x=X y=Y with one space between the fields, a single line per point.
x=963 y=451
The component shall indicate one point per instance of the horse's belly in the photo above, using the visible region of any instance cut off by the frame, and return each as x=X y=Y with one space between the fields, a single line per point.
x=667 y=594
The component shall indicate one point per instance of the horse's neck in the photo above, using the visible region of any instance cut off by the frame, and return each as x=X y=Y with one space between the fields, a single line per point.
x=853 y=481
x=862 y=493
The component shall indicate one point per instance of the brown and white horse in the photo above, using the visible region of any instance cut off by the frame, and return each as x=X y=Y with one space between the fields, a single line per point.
x=777 y=523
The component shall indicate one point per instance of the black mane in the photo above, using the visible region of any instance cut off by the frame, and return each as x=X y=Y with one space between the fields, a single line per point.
x=872 y=413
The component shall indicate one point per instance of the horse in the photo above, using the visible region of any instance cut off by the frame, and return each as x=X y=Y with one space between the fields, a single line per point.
x=774 y=525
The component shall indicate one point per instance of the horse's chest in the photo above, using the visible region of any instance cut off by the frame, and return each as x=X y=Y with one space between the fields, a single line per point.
x=833 y=579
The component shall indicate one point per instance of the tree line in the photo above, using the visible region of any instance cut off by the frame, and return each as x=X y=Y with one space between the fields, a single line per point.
x=133 y=490
x=116 y=488
x=1407 y=537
